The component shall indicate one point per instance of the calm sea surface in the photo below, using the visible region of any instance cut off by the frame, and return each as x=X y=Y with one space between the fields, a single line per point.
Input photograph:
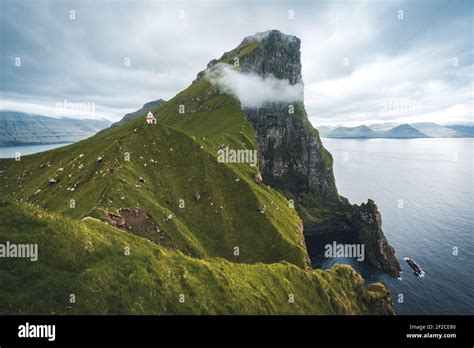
x=424 y=190
x=9 y=151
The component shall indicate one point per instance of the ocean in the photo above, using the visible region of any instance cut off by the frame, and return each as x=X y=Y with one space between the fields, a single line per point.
x=424 y=191
x=10 y=151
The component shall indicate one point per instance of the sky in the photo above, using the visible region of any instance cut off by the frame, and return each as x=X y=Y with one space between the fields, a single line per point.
x=363 y=62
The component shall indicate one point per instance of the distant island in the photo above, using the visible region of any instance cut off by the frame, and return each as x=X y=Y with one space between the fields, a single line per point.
x=18 y=128
x=399 y=131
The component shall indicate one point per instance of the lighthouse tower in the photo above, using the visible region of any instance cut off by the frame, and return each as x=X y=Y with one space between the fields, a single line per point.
x=150 y=119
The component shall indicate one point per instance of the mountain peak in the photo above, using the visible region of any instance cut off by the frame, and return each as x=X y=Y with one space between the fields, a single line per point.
x=404 y=131
x=271 y=35
x=266 y=53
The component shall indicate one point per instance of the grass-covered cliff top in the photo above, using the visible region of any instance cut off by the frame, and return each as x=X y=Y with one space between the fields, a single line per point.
x=172 y=171
x=87 y=259
x=159 y=190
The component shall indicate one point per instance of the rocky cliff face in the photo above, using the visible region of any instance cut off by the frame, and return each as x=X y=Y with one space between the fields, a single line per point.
x=276 y=54
x=292 y=157
x=367 y=222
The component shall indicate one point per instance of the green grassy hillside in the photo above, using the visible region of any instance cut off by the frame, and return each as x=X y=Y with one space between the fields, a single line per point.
x=87 y=259
x=172 y=171
x=160 y=190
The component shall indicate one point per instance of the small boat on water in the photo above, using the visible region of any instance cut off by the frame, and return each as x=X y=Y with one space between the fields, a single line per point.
x=414 y=266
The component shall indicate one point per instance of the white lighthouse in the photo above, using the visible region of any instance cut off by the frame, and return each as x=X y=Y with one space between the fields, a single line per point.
x=150 y=119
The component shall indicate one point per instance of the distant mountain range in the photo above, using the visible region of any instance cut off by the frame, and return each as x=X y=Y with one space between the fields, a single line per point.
x=399 y=131
x=17 y=128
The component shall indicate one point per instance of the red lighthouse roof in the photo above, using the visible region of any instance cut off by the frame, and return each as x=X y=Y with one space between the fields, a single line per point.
x=150 y=119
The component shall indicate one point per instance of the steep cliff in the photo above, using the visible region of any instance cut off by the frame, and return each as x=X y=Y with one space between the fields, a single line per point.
x=193 y=225
x=291 y=155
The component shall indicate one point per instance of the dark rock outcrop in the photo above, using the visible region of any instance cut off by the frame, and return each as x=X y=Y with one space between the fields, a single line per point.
x=367 y=222
x=276 y=54
x=292 y=157
x=140 y=223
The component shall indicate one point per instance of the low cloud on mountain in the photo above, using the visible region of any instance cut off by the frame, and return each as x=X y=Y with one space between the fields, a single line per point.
x=253 y=90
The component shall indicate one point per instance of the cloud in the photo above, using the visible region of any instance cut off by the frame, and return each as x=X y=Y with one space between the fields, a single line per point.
x=82 y=60
x=64 y=108
x=251 y=89
x=404 y=88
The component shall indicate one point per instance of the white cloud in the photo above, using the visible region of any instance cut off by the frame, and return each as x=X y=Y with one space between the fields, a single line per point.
x=251 y=89
x=82 y=60
x=64 y=108
x=411 y=87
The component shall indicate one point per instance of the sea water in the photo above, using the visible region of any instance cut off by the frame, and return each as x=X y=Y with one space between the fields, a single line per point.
x=424 y=191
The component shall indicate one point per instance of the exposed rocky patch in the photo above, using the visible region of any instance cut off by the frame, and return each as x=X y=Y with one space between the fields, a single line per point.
x=367 y=222
x=141 y=224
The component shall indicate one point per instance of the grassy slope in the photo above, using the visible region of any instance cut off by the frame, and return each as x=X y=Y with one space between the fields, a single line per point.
x=86 y=258
x=224 y=217
x=87 y=255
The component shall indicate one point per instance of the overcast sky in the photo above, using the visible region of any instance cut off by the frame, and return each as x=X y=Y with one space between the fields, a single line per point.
x=363 y=61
